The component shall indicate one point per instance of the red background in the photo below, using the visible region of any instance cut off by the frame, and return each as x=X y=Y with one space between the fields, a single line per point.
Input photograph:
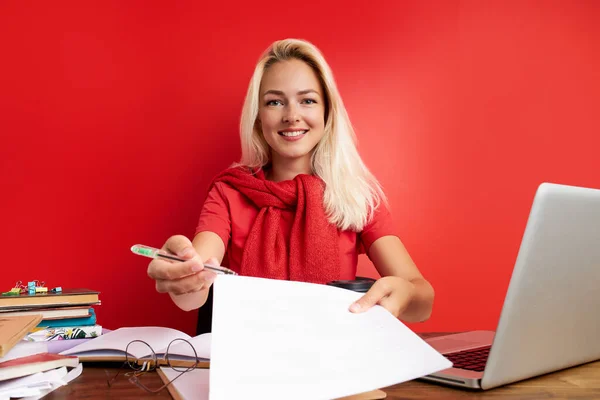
x=115 y=115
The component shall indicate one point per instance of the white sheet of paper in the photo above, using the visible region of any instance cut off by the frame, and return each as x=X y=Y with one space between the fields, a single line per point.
x=190 y=385
x=34 y=381
x=275 y=339
x=65 y=376
x=36 y=386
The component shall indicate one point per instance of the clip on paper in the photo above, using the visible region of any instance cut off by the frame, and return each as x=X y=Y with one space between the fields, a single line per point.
x=19 y=285
x=12 y=292
x=36 y=286
x=57 y=289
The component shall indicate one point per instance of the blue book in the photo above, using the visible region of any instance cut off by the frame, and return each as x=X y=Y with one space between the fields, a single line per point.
x=70 y=322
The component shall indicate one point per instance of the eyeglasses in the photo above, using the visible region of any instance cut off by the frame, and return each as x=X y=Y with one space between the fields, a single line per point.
x=140 y=366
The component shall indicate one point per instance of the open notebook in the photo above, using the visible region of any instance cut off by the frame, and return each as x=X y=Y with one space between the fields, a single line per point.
x=111 y=346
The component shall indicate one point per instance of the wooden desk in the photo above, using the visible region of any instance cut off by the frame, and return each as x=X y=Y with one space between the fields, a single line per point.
x=581 y=382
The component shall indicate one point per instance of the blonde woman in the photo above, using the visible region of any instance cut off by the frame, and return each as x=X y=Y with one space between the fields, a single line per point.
x=301 y=204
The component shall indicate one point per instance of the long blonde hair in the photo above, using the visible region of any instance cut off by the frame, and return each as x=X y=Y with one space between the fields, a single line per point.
x=352 y=193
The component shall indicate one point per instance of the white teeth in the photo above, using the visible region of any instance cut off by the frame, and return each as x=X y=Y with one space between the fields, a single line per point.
x=292 y=134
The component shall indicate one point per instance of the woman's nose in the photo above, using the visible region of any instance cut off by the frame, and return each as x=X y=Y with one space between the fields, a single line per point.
x=291 y=114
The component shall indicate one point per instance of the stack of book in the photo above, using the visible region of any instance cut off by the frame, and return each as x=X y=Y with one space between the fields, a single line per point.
x=68 y=314
x=27 y=368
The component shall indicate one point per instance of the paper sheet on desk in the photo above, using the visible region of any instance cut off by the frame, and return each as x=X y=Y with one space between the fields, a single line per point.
x=191 y=385
x=279 y=339
x=36 y=386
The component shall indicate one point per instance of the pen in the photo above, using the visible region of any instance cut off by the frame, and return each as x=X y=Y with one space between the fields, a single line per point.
x=151 y=252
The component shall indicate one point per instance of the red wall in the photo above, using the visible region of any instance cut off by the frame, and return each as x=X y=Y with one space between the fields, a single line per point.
x=114 y=117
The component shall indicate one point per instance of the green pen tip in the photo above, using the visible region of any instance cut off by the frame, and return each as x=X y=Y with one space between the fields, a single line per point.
x=141 y=250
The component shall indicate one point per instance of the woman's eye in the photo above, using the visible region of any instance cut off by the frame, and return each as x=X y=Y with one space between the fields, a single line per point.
x=309 y=101
x=273 y=103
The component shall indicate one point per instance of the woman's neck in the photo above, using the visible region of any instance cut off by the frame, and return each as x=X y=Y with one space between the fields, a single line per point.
x=288 y=170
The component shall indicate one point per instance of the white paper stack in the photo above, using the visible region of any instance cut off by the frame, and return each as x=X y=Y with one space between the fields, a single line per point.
x=37 y=385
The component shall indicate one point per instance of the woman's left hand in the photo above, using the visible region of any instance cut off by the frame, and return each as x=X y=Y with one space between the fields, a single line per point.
x=391 y=292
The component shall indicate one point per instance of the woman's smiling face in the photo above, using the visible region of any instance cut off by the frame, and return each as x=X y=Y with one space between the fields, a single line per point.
x=292 y=110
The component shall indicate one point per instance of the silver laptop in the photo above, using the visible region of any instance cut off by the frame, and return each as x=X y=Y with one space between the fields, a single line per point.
x=550 y=319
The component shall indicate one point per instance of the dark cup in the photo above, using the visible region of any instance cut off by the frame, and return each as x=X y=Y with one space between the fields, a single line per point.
x=360 y=284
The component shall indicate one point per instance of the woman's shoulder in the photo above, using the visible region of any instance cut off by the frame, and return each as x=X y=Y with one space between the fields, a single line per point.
x=225 y=182
x=380 y=224
x=379 y=216
x=228 y=196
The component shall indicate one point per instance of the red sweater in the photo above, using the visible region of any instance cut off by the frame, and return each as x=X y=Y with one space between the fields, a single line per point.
x=231 y=215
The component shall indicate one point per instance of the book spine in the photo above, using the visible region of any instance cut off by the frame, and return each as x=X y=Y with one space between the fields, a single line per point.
x=69 y=322
x=65 y=333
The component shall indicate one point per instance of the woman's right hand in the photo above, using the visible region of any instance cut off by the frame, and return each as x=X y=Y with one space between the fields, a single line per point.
x=179 y=278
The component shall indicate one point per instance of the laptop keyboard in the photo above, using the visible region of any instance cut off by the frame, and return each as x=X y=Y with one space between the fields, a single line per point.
x=472 y=360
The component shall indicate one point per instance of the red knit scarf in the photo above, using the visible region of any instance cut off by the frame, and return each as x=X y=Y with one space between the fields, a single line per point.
x=311 y=255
